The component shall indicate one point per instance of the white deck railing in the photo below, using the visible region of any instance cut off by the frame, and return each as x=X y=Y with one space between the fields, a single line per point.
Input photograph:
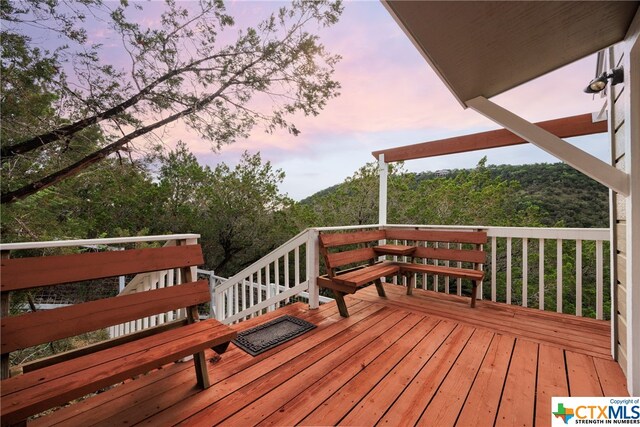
x=521 y=262
x=520 y=270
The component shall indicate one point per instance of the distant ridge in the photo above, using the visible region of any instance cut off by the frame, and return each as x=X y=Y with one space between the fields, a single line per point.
x=566 y=197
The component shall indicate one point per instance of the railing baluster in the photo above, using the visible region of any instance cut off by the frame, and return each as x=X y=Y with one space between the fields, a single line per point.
x=599 y=280
x=525 y=271
x=459 y=280
x=435 y=276
x=425 y=285
x=578 y=277
x=259 y=285
x=277 y=279
x=559 y=277
x=509 y=241
x=286 y=274
x=494 y=267
x=541 y=274
x=446 y=278
x=236 y=293
x=296 y=268
x=268 y=282
x=244 y=294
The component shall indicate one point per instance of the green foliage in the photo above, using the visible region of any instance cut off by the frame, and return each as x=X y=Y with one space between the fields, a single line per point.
x=189 y=65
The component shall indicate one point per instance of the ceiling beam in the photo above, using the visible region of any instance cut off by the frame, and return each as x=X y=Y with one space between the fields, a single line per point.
x=591 y=166
x=566 y=127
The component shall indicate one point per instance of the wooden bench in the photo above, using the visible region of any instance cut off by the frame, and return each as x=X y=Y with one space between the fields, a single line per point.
x=420 y=238
x=364 y=267
x=68 y=376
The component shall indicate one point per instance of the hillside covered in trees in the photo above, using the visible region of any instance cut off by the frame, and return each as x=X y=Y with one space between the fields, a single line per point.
x=555 y=194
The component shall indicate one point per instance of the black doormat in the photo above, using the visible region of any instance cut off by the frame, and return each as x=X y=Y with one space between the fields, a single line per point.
x=273 y=333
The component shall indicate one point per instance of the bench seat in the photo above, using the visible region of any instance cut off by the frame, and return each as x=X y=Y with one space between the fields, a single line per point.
x=58 y=384
x=362 y=276
x=440 y=270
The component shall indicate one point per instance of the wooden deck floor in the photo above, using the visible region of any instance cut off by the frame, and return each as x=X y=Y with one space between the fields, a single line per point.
x=427 y=359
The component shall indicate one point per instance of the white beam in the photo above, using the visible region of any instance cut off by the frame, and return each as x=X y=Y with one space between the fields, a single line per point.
x=570 y=154
x=383 y=170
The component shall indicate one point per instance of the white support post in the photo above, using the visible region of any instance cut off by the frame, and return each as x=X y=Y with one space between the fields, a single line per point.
x=631 y=64
x=313 y=263
x=383 y=171
x=570 y=154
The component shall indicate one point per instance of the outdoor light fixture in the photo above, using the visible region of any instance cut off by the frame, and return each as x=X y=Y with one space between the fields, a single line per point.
x=598 y=84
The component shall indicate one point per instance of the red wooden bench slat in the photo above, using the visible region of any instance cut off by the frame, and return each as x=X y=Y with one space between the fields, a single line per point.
x=463 y=273
x=367 y=274
x=55 y=386
x=475 y=237
x=339 y=259
x=400 y=250
x=26 y=273
x=463 y=255
x=339 y=239
x=34 y=328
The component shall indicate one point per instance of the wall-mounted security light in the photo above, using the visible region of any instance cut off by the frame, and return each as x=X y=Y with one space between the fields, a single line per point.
x=598 y=84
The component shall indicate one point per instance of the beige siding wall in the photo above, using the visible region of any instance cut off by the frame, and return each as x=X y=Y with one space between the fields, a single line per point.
x=619 y=222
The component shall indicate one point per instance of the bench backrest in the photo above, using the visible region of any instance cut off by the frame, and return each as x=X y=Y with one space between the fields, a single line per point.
x=41 y=327
x=437 y=237
x=333 y=259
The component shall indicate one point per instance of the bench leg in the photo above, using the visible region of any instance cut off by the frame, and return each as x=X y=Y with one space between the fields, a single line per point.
x=410 y=283
x=221 y=348
x=202 y=375
x=342 y=306
x=379 y=287
x=474 y=293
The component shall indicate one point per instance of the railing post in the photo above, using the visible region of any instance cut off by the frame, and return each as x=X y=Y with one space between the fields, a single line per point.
x=383 y=170
x=212 y=292
x=313 y=267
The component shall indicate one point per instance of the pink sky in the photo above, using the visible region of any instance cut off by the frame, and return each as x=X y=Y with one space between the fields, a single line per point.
x=389 y=97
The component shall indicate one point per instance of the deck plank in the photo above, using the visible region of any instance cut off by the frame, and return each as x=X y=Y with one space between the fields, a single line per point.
x=315 y=381
x=398 y=360
x=583 y=377
x=413 y=399
x=550 y=332
x=518 y=396
x=325 y=355
x=611 y=378
x=481 y=405
x=365 y=376
x=445 y=406
x=178 y=390
x=552 y=381
x=382 y=375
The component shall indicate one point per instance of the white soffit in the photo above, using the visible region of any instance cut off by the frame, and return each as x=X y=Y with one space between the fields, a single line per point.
x=483 y=48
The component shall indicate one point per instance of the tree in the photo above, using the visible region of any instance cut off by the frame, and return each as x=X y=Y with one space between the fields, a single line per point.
x=355 y=201
x=243 y=219
x=471 y=198
x=180 y=70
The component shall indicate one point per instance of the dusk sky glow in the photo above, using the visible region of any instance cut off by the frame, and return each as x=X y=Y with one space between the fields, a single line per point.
x=389 y=97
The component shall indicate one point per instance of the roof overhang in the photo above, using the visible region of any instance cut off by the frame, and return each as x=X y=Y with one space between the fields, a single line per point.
x=483 y=48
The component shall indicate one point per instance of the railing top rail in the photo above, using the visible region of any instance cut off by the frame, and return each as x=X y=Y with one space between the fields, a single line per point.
x=519 y=232
x=297 y=240
x=84 y=242
x=347 y=227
